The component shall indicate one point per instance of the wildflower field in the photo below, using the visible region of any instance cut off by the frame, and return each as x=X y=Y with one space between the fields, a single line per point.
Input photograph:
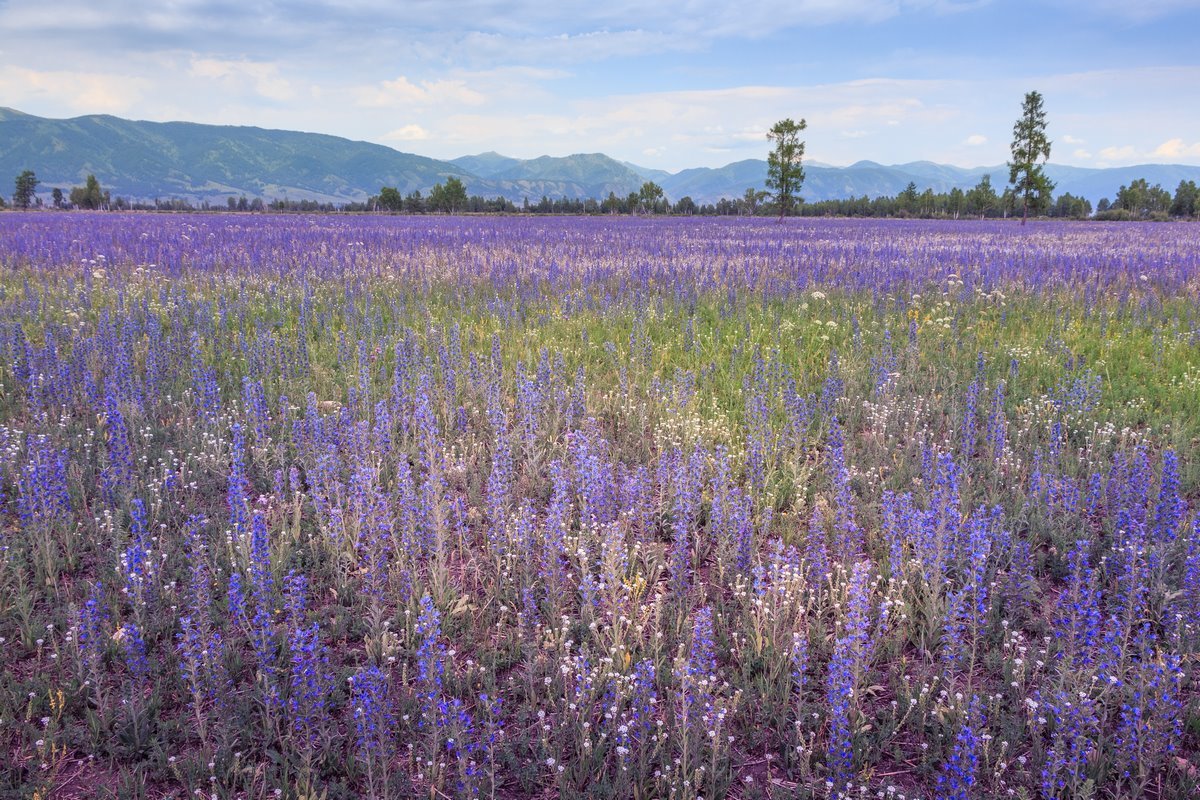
x=347 y=506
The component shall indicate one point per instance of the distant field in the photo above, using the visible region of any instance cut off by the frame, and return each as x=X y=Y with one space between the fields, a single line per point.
x=636 y=508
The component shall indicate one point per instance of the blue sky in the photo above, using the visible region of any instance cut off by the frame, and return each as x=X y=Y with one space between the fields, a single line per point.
x=669 y=85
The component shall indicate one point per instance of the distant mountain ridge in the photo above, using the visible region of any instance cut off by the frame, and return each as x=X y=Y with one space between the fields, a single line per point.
x=144 y=160
x=190 y=161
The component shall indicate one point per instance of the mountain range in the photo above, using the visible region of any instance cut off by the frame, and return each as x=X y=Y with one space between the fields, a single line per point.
x=146 y=160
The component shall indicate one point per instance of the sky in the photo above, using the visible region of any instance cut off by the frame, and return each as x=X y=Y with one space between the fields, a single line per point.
x=668 y=85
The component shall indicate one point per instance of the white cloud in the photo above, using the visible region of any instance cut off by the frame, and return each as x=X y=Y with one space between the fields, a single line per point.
x=1123 y=153
x=483 y=47
x=698 y=122
x=463 y=32
x=263 y=77
x=402 y=91
x=692 y=116
x=1171 y=150
x=408 y=133
x=85 y=92
x=1177 y=148
x=753 y=134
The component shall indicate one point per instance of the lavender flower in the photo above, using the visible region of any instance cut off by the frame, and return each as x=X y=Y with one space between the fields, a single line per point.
x=960 y=772
x=133 y=647
x=91 y=635
x=1078 y=625
x=238 y=496
x=262 y=628
x=373 y=717
x=1067 y=764
x=431 y=656
x=1169 y=511
x=849 y=659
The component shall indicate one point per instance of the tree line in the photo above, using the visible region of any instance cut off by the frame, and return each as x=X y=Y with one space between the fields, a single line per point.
x=1137 y=201
x=89 y=196
x=451 y=197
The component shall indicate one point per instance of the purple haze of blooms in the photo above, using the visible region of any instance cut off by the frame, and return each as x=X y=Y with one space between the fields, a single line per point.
x=849 y=254
x=198 y=309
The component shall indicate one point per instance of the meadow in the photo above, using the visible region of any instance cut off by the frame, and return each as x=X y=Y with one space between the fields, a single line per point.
x=493 y=507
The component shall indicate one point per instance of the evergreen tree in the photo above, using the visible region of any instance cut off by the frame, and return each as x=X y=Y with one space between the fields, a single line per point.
x=1029 y=146
x=26 y=186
